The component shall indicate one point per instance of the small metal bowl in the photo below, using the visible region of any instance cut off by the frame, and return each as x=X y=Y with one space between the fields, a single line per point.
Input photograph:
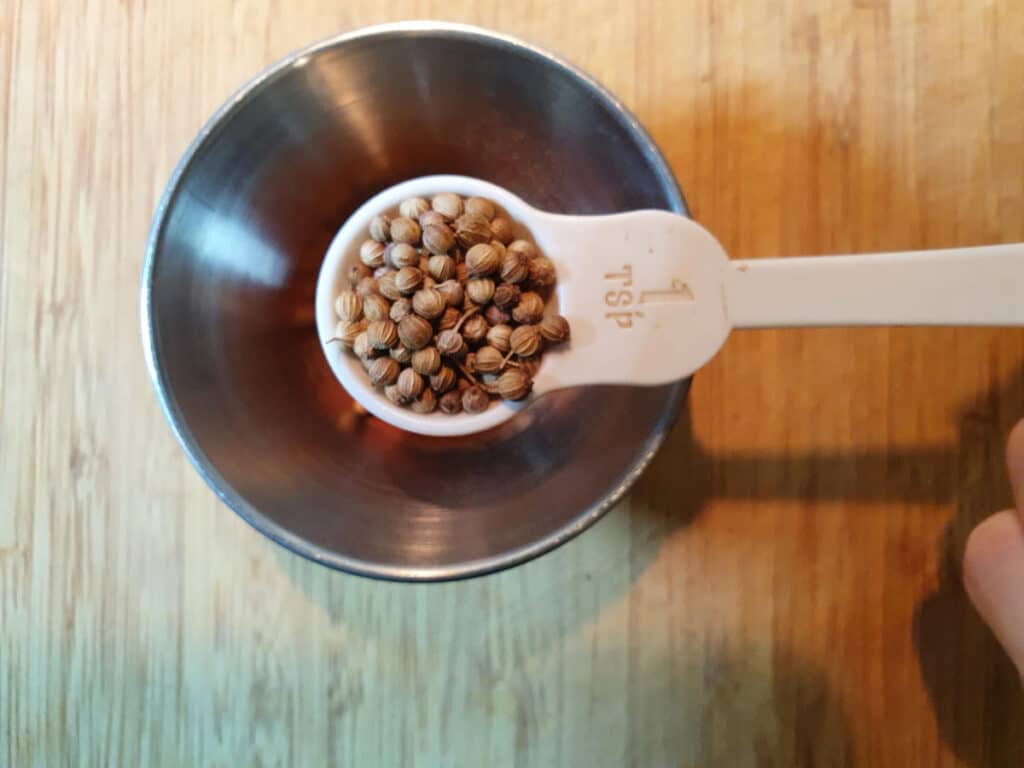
x=232 y=263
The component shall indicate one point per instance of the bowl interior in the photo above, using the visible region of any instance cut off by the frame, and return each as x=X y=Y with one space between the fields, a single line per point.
x=229 y=302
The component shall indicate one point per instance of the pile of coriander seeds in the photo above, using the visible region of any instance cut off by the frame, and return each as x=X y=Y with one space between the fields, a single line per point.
x=446 y=307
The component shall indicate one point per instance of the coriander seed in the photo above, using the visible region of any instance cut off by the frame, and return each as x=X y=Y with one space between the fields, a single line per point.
x=383 y=334
x=387 y=287
x=525 y=247
x=441 y=268
x=438 y=239
x=448 y=205
x=475 y=329
x=433 y=218
x=506 y=296
x=400 y=255
x=346 y=332
x=371 y=253
x=515 y=267
x=358 y=271
x=530 y=365
x=463 y=385
x=392 y=394
x=482 y=260
x=471 y=229
x=502 y=230
x=494 y=315
x=415 y=332
x=480 y=290
x=410 y=384
x=449 y=319
x=428 y=303
x=376 y=307
x=426 y=361
x=362 y=348
x=348 y=306
x=451 y=343
x=405 y=230
x=554 y=328
x=401 y=355
x=425 y=403
x=525 y=340
x=380 y=228
x=542 y=272
x=480 y=206
x=413 y=208
x=452 y=291
x=530 y=308
x=488 y=360
x=443 y=380
x=513 y=384
x=475 y=400
x=400 y=309
x=450 y=402
x=461 y=271
x=408 y=280
x=498 y=337
x=383 y=371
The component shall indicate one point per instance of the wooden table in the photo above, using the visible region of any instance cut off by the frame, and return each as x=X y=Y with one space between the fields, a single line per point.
x=782 y=587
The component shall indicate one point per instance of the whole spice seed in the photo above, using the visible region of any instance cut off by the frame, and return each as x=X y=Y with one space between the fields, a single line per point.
x=400 y=255
x=502 y=230
x=400 y=309
x=371 y=253
x=357 y=272
x=383 y=334
x=376 y=307
x=414 y=207
x=472 y=229
x=346 y=332
x=525 y=247
x=463 y=385
x=367 y=286
x=530 y=308
x=488 y=360
x=426 y=361
x=433 y=218
x=380 y=228
x=554 y=329
x=451 y=402
x=362 y=347
x=480 y=290
x=428 y=303
x=387 y=287
x=425 y=403
x=475 y=400
x=405 y=230
x=348 y=305
x=379 y=271
x=525 y=340
x=441 y=268
x=515 y=267
x=415 y=332
x=402 y=355
x=451 y=343
x=507 y=296
x=448 y=205
x=482 y=260
x=498 y=337
x=513 y=384
x=530 y=365
x=443 y=380
x=383 y=371
x=542 y=272
x=475 y=329
x=461 y=271
x=391 y=393
x=410 y=384
x=408 y=280
x=449 y=319
x=480 y=206
x=496 y=316
x=438 y=238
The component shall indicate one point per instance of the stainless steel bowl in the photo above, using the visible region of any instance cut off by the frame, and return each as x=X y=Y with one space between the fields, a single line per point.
x=232 y=262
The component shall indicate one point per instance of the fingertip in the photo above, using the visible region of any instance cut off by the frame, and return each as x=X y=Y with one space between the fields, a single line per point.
x=1015 y=464
x=993 y=575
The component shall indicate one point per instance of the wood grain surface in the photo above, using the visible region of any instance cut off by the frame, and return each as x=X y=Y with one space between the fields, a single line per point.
x=781 y=589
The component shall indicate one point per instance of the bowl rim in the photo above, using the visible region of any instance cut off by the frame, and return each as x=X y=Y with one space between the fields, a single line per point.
x=174 y=416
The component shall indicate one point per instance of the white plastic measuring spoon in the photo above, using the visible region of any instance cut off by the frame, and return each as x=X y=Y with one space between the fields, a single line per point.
x=651 y=296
